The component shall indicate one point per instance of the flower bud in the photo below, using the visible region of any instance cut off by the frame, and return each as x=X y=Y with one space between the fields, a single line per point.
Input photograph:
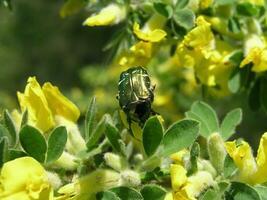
x=66 y=161
x=216 y=151
x=114 y=161
x=130 y=178
x=54 y=180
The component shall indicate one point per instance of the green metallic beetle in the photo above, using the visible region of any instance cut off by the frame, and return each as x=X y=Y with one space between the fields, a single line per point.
x=136 y=95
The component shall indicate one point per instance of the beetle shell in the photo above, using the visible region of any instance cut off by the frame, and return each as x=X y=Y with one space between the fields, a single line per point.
x=134 y=88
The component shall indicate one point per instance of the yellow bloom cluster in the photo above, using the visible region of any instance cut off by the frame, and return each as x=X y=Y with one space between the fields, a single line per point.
x=256 y=53
x=208 y=55
x=110 y=15
x=24 y=179
x=44 y=103
x=188 y=188
x=250 y=170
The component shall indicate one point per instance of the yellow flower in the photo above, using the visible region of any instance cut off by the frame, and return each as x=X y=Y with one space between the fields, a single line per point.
x=155 y=35
x=243 y=158
x=178 y=157
x=205 y=4
x=110 y=15
x=24 y=179
x=59 y=104
x=43 y=104
x=189 y=188
x=258 y=57
x=33 y=100
x=261 y=175
x=139 y=55
x=255 y=52
x=209 y=57
x=250 y=171
x=199 y=38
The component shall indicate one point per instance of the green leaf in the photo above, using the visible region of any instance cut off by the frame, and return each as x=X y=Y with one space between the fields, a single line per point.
x=33 y=142
x=194 y=154
x=14 y=153
x=11 y=128
x=204 y=129
x=113 y=136
x=229 y=123
x=185 y=18
x=233 y=25
x=24 y=119
x=126 y=193
x=152 y=135
x=247 y=9
x=107 y=195
x=254 y=100
x=180 y=135
x=90 y=119
x=211 y=194
x=234 y=82
x=262 y=191
x=207 y=117
x=3 y=150
x=97 y=133
x=154 y=192
x=163 y=9
x=4 y=133
x=263 y=93
x=229 y=167
x=181 y=4
x=237 y=57
x=242 y=191
x=223 y=2
x=56 y=144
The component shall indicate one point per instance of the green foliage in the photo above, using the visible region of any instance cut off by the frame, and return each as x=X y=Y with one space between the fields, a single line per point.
x=114 y=137
x=11 y=128
x=241 y=191
x=194 y=154
x=152 y=135
x=180 y=135
x=126 y=193
x=211 y=194
x=3 y=150
x=56 y=144
x=262 y=191
x=97 y=133
x=33 y=142
x=153 y=192
x=229 y=167
x=229 y=123
x=107 y=195
x=89 y=119
x=163 y=9
x=184 y=18
x=6 y=3
x=207 y=117
x=209 y=122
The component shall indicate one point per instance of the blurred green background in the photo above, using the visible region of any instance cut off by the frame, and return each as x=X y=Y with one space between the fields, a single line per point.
x=36 y=41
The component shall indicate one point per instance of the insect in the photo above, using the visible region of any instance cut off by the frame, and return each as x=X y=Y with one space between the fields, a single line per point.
x=136 y=95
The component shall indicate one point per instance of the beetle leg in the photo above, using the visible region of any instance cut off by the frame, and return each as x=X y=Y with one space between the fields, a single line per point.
x=153 y=87
x=153 y=112
x=130 y=124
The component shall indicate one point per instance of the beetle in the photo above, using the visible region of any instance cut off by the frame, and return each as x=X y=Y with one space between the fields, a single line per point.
x=136 y=95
